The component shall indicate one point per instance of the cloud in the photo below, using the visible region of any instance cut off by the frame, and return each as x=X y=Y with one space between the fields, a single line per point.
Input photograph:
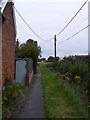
x=48 y=19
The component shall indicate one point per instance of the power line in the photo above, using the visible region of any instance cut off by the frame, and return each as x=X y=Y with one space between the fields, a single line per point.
x=72 y=30
x=28 y=25
x=75 y=34
x=72 y=18
x=48 y=40
x=83 y=21
x=56 y=34
x=22 y=28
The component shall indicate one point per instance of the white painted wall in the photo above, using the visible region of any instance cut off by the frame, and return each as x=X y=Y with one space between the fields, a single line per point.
x=89 y=28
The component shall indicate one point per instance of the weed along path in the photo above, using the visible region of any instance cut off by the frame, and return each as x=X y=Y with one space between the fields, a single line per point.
x=60 y=100
x=32 y=106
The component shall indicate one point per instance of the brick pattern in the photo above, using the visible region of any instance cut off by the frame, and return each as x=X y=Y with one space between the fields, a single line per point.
x=8 y=44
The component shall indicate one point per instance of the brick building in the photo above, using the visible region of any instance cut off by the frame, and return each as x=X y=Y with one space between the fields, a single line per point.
x=7 y=40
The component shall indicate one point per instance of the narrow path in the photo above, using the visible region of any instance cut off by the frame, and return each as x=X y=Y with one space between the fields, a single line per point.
x=32 y=106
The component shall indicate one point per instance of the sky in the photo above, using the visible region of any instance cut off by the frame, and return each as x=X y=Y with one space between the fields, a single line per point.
x=49 y=17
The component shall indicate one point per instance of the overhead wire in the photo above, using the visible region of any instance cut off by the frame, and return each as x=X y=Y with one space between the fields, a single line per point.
x=22 y=29
x=72 y=30
x=49 y=40
x=72 y=18
x=28 y=25
x=75 y=34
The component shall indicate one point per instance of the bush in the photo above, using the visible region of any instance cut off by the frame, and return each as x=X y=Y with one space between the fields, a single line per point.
x=30 y=49
x=11 y=98
x=63 y=66
x=79 y=69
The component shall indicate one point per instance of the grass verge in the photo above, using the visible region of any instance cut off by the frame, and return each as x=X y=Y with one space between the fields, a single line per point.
x=60 y=100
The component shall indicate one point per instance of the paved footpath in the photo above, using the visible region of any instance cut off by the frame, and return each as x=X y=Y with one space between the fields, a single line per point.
x=32 y=106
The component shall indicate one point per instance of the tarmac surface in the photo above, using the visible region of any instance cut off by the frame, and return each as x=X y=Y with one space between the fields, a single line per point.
x=32 y=106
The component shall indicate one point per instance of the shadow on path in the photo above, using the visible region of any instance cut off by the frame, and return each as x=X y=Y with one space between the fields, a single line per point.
x=32 y=106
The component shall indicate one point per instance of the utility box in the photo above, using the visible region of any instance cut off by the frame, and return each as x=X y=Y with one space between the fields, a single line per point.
x=24 y=71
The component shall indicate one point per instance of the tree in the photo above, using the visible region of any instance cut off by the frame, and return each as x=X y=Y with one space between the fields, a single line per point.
x=51 y=59
x=17 y=48
x=57 y=59
x=30 y=49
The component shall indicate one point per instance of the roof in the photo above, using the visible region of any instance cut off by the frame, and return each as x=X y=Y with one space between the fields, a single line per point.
x=3 y=4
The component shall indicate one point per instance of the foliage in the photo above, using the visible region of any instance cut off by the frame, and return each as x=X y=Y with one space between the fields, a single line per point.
x=17 y=49
x=11 y=98
x=77 y=75
x=51 y=59
x=63 y=66
x=60 y=100
x=7 y=80
x=80 y=69
x=30 y=49
x=67 y=78
x=77 y=69
x=77 y=78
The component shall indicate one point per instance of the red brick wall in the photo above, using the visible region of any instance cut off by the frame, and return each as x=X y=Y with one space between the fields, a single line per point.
x=8 y=43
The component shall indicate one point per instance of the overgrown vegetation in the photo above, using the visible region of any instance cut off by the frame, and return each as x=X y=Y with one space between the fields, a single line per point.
x=12 y=96
x=63 y=66
x=60 y=100
x=30 y=49
x=78 y=68
x=76 y=74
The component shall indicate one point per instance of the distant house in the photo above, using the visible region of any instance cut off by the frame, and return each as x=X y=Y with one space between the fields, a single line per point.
x=7 y=40
x=84 y=58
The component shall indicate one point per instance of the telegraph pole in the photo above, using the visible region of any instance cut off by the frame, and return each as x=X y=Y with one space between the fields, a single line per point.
x=55 y=48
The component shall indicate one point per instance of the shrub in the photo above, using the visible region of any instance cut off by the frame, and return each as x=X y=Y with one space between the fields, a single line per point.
x=11 y=98
x=30 y=49
x=79 y=69
x=63 y=66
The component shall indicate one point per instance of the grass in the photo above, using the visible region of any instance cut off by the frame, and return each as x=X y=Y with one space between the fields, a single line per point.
x=60 y=100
